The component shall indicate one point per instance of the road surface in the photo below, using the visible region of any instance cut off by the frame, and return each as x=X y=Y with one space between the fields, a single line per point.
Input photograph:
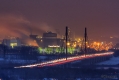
x=63 y=60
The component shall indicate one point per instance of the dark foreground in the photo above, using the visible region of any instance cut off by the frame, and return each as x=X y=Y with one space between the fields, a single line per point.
x=58 y=74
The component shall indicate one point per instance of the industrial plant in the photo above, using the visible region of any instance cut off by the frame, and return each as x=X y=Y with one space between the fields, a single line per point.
x=48 y=39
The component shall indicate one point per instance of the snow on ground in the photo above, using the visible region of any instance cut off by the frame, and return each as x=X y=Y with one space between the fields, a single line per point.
x=20 y=61
x=1 y=59
x=112 y=61
x=42 y=57
x=78 y=79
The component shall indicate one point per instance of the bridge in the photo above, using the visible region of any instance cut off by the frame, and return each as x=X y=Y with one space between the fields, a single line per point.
x=64 y=60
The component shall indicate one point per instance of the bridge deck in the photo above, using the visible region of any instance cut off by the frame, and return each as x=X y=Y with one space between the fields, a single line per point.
x=63 y=60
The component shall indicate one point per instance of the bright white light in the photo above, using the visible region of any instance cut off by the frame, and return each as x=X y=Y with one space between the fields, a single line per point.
x=53 y=46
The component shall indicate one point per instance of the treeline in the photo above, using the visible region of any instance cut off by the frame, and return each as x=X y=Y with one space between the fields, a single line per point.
x=18 y=50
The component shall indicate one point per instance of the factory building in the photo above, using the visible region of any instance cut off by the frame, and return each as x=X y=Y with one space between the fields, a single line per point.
x=48 y=39
x=12 y=42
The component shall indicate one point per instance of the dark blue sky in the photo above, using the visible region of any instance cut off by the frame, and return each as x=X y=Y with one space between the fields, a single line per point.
x=18 y=17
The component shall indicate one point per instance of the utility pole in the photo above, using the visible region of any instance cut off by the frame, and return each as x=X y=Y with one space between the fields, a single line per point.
x=66 y=35
x=85 y=36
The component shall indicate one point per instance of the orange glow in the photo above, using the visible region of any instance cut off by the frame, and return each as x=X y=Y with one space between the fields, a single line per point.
x=31 y=42
x=68 y=43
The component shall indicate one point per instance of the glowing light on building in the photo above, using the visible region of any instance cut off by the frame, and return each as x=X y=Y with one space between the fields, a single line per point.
x=53 y=46
x=13 y=44
x=68 y=43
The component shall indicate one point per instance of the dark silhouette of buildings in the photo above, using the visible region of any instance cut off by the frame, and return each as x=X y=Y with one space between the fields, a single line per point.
x=48 y=39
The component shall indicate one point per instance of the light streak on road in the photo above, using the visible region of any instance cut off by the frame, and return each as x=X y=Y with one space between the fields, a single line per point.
x=63 y=60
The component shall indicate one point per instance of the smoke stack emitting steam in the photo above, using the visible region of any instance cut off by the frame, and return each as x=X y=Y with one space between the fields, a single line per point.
x=17 y=26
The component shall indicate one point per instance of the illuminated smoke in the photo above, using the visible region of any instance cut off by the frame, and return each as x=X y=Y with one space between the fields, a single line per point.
x=18 y=26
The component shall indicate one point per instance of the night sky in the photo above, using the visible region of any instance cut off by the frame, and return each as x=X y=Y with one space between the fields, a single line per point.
x=19 y=17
